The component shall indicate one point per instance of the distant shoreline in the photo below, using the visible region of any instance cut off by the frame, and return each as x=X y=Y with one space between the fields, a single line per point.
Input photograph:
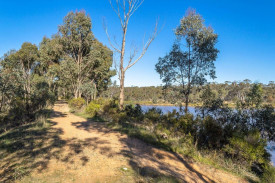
x=148 y=103
x=158 y=104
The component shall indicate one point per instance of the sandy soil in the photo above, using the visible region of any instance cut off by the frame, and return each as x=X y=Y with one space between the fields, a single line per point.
x=93 y=153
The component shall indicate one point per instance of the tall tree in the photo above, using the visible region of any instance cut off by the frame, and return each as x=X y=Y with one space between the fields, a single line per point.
x=76 y=39
x=84 y=58
x=50 y=52
x=27 y=57
x=11 y=80
x=191 y=59
x=124 y=10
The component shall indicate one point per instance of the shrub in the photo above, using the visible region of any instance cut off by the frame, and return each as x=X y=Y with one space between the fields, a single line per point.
x=101 y=101
x=135 y=113
x=111 y=107
x=153 y=114
x=248 y=149
x=93 y=108
x=211 y=133
x=268 y=175
x=76 y=103
x=183 y=124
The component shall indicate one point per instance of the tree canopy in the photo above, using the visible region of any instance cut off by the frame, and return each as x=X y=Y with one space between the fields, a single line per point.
x=191 y=59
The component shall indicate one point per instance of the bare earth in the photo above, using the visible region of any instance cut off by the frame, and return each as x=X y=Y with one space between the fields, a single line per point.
x=90 y=153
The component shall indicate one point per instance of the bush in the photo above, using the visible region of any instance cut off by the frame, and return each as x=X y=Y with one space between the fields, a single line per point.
x=135 y=113
x=93 y=108
x=76 y=103
x=249 y=149
x=153 y=114
x=211 y=133
x=182 y=124
x=268 y=175
x=111 y=107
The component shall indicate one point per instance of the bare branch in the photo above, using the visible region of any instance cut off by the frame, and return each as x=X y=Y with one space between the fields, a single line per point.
x=110 y=42
x=117 y=70
x=135 y=6
x=145 y=47
x=115 y=42
x=117 y=11
x=133 y=53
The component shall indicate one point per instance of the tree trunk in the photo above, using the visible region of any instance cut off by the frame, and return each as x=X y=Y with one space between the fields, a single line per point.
x=76 y=93
x=95 y=91
x=121 y=95
x=186 y=103
x=122 y=72
x=188 y=84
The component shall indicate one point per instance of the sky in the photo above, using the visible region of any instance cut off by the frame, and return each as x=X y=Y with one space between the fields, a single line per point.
x=246 y=30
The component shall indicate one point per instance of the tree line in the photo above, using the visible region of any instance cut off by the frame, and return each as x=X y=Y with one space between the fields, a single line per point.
x=230 y=92
x=72 y=63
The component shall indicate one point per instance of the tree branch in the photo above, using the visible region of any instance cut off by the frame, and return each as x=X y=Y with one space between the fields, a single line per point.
x=110 y=42
x=145 y=47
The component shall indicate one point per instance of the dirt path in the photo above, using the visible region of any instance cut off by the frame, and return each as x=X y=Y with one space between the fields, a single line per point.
x=89 y=152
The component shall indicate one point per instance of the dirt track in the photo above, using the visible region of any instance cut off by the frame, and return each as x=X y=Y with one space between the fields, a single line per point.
x=93 y=153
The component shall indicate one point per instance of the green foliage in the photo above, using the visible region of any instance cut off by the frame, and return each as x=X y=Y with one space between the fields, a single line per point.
x=110 y=108
x=248 y=149
x=93 y=108
x=181 y=69
x=85 y=61
x=268 y=175
x=135 y=113
x=76 y=103
x=24 y=91
x=228 y=92
x=154 y=114
x=210 y=134
x=255 y=95
x=265 y=121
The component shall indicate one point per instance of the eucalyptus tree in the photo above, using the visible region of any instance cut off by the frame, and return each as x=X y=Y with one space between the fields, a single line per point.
x=191 y=59
x=50 y=52
x=27 y=58
x=255 y=96
x=84 y=58
x=25 y=91
x=11 y=80
x=76 y=39
x=124 y=10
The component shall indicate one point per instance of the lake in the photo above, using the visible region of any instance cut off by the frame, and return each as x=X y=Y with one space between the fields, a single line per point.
x=166 y=109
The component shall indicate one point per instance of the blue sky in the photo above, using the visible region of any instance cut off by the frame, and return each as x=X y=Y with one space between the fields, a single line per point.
x=246 y=32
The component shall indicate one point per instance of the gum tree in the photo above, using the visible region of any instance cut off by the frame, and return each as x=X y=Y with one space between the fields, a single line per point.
x=84 y=59
x=191 y=59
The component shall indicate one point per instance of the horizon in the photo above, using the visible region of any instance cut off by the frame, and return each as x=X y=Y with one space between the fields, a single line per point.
x=245 y=41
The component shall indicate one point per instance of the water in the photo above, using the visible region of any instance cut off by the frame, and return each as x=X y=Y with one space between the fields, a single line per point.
x=166 y=109
x=271 y=150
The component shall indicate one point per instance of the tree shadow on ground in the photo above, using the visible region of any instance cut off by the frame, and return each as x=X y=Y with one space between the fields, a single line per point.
x=149 y=162
x=137 y=151
x=29 y=147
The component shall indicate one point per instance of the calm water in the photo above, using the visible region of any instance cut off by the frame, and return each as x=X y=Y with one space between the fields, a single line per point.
x=166 y=109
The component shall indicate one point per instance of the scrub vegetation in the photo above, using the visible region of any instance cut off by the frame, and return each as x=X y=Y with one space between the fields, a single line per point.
x=233 y=123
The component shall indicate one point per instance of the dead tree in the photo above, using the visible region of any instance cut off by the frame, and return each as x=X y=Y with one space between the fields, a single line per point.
x=124 y=10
